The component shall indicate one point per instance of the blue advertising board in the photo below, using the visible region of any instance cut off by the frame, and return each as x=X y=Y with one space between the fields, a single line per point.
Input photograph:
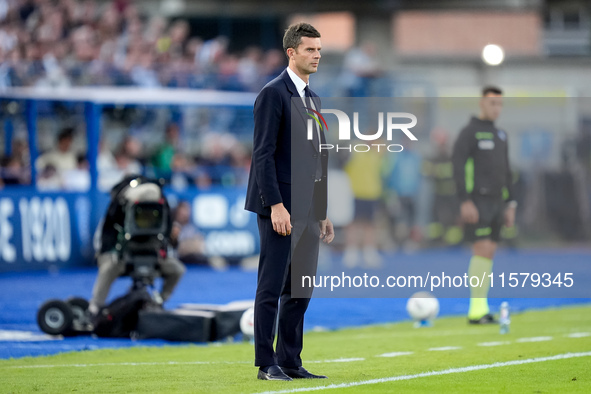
x=219 y=214
x=39 y=230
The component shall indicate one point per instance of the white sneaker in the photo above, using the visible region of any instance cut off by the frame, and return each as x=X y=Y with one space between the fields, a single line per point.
x=372 y=258
x=218 y=263
x=93 y=309
x=157 y=298
x=351 y=258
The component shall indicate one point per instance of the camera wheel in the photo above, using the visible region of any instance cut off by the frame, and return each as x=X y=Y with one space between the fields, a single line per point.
x=55 y=317
x=79 y=306
x=82 y=323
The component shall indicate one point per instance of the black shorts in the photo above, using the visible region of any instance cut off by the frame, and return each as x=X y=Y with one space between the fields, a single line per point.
x=365 y=210
x=491 y=217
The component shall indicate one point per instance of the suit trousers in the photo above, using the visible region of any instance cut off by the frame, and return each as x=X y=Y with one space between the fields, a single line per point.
x=280 y=255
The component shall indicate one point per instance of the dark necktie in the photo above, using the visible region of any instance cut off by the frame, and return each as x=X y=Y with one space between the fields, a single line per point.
x=308 y=99
x=316 y=135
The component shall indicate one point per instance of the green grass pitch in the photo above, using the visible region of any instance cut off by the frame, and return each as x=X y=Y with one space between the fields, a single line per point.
x=425 y=360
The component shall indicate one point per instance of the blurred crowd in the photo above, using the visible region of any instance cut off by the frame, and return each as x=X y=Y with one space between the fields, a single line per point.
x=222 y=161
x=61 y=43
x=84 y=43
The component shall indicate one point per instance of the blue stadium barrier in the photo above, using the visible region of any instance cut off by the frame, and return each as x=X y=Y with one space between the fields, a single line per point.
x=39 y=230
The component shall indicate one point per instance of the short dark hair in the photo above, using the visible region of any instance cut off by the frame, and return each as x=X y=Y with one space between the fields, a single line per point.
x=66 y=133
x=80 y=158
x=294 y=33
x=491 y=89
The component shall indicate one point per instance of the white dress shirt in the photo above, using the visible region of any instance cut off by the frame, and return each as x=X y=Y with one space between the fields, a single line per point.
x=301 y=88
x=298 y=82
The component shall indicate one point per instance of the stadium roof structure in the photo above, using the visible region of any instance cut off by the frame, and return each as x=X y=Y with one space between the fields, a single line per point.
x=133 y=95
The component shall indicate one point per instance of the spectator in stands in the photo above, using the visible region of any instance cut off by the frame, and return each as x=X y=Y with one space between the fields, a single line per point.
x=191 y=247
x=124 y=165
x=249 y=67
x=12 y=171
x=177 y=38
x=155 y=29
x=162 y=159
x=227 y=75
x=182 y=171
x=365 y=174
x=79 y=178
x=190 y=242
x=211 y=52
x=12 y=71
x=273 y=64
x=445 y=227
x=132 y=147
x=240 y=159
x=62 y=158
x=403 y=182
x=361 y=67
x=218 y=150
x=143 y=73
x=106 y=160
x=49 y=179
x=20 y=151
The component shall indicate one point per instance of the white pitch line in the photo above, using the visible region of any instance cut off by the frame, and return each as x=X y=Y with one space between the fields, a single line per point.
x=433 y=373
x=443 y=348
x=394 y=354
x=338 y=360
x=23 y=336
x=493 y=343
x=579 y=334
x=535 y=339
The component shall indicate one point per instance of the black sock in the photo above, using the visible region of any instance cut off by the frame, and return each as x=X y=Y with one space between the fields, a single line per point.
x=265 y=369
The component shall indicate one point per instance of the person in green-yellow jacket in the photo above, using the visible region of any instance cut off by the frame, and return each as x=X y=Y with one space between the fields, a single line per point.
x=365 y=170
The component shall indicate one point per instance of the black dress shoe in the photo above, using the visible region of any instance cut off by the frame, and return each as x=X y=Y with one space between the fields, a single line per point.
x=486 y=319
x=273 y=373
x=301 y=373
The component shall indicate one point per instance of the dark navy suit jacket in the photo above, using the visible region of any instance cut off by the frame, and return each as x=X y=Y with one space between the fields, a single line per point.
x=283 y=158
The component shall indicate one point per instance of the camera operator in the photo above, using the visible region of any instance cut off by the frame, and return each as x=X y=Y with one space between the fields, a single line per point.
x=109 y=263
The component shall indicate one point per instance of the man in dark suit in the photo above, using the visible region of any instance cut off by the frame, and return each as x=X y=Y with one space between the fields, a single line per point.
x=286 y=157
